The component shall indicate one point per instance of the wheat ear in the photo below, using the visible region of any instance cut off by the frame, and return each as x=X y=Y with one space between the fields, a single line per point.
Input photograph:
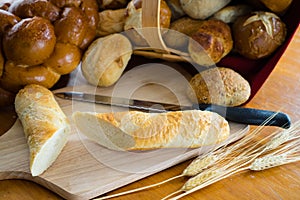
x=248 y=158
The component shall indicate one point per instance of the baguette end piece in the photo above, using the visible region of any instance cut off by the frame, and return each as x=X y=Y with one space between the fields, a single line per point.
x=40 y=162
x=45 y=126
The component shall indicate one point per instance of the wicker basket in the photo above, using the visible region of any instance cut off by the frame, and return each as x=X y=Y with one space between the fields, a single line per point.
x=152 y=34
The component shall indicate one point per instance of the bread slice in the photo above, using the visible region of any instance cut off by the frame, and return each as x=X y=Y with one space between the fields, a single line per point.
x=45 y=126
x=134 y=130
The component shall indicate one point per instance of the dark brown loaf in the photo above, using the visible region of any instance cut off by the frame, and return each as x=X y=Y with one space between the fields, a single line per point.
x=180 y=31
x=7 y=20
x=277 y=6
x=90 y=11
x=30 y=41
x=258 y=35
x=64 y=59
x=66 y=3
x=71 y=27
x=31 y=8
x=16 y=76
x=210 y=43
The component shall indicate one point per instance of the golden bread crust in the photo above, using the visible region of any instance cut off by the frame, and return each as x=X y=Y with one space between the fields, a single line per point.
x=41 y=118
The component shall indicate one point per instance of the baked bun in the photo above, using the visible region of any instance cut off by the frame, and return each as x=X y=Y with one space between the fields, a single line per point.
x=31 y=8
x=71 y=27
x=7 y=20
x=277 y=6
x=66 y=3
x=16 y=76
x=26 y=44
x=180 y=31
x=219 y=85
x=90 y=11
x=44 y=39
x=229 y=14
x=210 y=43
x=202 y=9
x=176 y=9
x=111 y=21
x=64 y=59
x=258 y=35
x=100 y=69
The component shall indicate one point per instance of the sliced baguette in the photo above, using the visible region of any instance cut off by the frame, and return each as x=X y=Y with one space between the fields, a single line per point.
x=45 y=126
x=133 y=130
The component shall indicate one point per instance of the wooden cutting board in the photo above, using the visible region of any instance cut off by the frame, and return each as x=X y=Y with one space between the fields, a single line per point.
x=84 y=169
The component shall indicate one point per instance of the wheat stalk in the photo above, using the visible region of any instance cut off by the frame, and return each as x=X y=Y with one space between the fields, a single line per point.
x=282 y=148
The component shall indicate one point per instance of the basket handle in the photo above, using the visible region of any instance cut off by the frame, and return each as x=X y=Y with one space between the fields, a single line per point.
x=151 y=18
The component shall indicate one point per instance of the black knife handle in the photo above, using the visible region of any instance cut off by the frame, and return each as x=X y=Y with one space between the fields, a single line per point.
x=250 y=116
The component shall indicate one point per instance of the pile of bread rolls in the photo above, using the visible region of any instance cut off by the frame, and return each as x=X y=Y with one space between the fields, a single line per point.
x=42 y=40
x=205 y=30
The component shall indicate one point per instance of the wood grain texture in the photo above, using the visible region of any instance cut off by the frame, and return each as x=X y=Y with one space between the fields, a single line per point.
x=280 y=92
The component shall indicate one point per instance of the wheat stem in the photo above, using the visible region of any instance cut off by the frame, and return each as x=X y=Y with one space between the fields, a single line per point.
x=139 y=189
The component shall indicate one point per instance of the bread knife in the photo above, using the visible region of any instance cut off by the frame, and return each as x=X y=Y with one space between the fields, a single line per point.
x=241 y=115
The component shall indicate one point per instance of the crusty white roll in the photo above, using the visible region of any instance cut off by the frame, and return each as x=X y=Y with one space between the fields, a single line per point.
x=134 y=130
x=45 y=126
x=105 y=60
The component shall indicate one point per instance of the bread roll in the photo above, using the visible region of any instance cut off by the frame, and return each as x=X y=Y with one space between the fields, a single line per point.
x=219 y=85
x=176 y=9
x=66 y=3
x=64 y=59
x=71 y=27
x=90 y=11
x=17 y=76
x=210 y=43
x=29 y=42
x=31 y=8
x=277 y=6
x=105 y=60
x=229 y=14
x=202 y=9
x=7 y=20
x=133 y=130
x=180 y=31
x=45 y=126
x=111 y=21
x=258 y=34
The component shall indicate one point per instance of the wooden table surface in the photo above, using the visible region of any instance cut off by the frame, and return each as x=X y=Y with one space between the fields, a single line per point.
x=280 y=92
